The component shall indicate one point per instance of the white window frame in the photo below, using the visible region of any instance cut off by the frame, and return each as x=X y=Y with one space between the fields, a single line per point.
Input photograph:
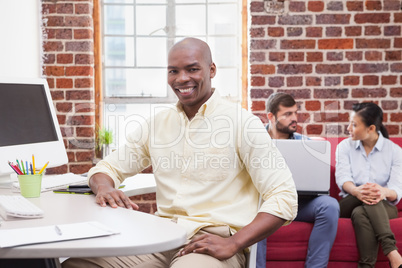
x=171 y=37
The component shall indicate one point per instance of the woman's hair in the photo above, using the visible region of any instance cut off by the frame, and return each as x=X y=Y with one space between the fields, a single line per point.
x=371 y=114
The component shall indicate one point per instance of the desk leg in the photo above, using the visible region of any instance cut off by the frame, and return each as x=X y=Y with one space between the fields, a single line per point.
x=34 y=263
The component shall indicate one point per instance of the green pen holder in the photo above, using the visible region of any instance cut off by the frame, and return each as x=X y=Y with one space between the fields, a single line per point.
x=30 y=185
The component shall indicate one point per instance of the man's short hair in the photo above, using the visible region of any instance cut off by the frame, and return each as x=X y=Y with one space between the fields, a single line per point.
x=277 y=99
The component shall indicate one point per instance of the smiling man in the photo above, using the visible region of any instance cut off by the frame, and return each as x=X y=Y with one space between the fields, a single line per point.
x=215 y=197
x=190 y=71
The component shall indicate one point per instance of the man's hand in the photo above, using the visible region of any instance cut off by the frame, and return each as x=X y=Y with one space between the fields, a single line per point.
x=213 y=245
x=103 y=186
x=263 y=225
x=115 y=198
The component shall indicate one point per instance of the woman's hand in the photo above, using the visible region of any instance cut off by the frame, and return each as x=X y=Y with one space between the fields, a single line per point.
x=362 y=193
x=370 y=193
x=376 y=193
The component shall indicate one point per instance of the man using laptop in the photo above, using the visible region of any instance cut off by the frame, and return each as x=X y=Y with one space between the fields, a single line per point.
x=322 y=210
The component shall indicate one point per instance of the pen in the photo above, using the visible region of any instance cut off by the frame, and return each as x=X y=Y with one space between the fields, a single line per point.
x=79 y=186
x=23 y=169
x=57 y=229
x=40 y=172
x=33 y=164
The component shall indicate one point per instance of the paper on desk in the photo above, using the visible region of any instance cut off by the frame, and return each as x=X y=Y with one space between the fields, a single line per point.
x=46 y=234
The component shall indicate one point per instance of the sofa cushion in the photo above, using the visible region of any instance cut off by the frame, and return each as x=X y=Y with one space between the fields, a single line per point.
x=290 y=242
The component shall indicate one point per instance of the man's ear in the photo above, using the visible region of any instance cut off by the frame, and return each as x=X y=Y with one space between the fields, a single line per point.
x=271 y=117
x=212 y=70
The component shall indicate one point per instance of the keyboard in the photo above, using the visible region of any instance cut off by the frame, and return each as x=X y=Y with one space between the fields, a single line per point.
x=53 y=182
x=12 y=206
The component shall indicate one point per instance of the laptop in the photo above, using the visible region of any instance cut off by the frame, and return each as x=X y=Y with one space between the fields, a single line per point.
x=310 y=164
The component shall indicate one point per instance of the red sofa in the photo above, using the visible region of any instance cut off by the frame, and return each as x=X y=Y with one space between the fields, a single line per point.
x=287 y=247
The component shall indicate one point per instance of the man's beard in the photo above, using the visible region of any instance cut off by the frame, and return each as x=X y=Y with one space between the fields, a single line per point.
x=285 y=129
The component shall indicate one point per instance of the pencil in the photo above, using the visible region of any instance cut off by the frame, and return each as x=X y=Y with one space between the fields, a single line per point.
x=26 y=163
x=18 y=164
x=18 y=169
x=12 y=166
x=33 y=164
x=23 y=169
x=40 y=172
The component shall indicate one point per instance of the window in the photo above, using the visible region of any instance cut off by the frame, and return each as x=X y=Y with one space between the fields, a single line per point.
x=137 y=35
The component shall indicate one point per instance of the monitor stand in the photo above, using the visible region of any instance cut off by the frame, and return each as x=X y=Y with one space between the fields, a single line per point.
x=6 y=180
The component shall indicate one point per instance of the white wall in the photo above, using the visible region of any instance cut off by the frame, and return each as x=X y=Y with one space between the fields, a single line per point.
x=20 y=38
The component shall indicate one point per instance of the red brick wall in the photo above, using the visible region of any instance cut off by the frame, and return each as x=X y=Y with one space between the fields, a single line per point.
x=328 y=55
x=69 y=68
x=68 y=45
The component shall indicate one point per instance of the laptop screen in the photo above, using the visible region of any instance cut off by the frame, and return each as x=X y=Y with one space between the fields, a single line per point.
x=310 y=164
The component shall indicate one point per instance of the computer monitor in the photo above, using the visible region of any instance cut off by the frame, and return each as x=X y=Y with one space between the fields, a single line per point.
x=28 y=126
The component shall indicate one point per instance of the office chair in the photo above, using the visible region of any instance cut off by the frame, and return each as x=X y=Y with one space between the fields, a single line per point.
x=251 y=257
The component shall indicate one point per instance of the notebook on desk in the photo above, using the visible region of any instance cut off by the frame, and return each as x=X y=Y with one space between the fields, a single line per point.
x=310 y=163
x=53 y=233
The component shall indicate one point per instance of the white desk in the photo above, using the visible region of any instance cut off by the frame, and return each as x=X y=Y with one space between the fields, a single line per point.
x=141 y=233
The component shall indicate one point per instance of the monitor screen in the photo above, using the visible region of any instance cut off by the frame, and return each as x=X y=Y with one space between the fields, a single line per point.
x=29 y=119
x=28 y=126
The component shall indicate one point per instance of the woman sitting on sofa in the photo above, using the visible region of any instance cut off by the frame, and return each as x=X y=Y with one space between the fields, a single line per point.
x=369 y=175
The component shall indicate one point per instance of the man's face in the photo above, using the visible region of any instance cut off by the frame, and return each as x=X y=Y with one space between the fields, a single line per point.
x=286 y=119
x=189 y=75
